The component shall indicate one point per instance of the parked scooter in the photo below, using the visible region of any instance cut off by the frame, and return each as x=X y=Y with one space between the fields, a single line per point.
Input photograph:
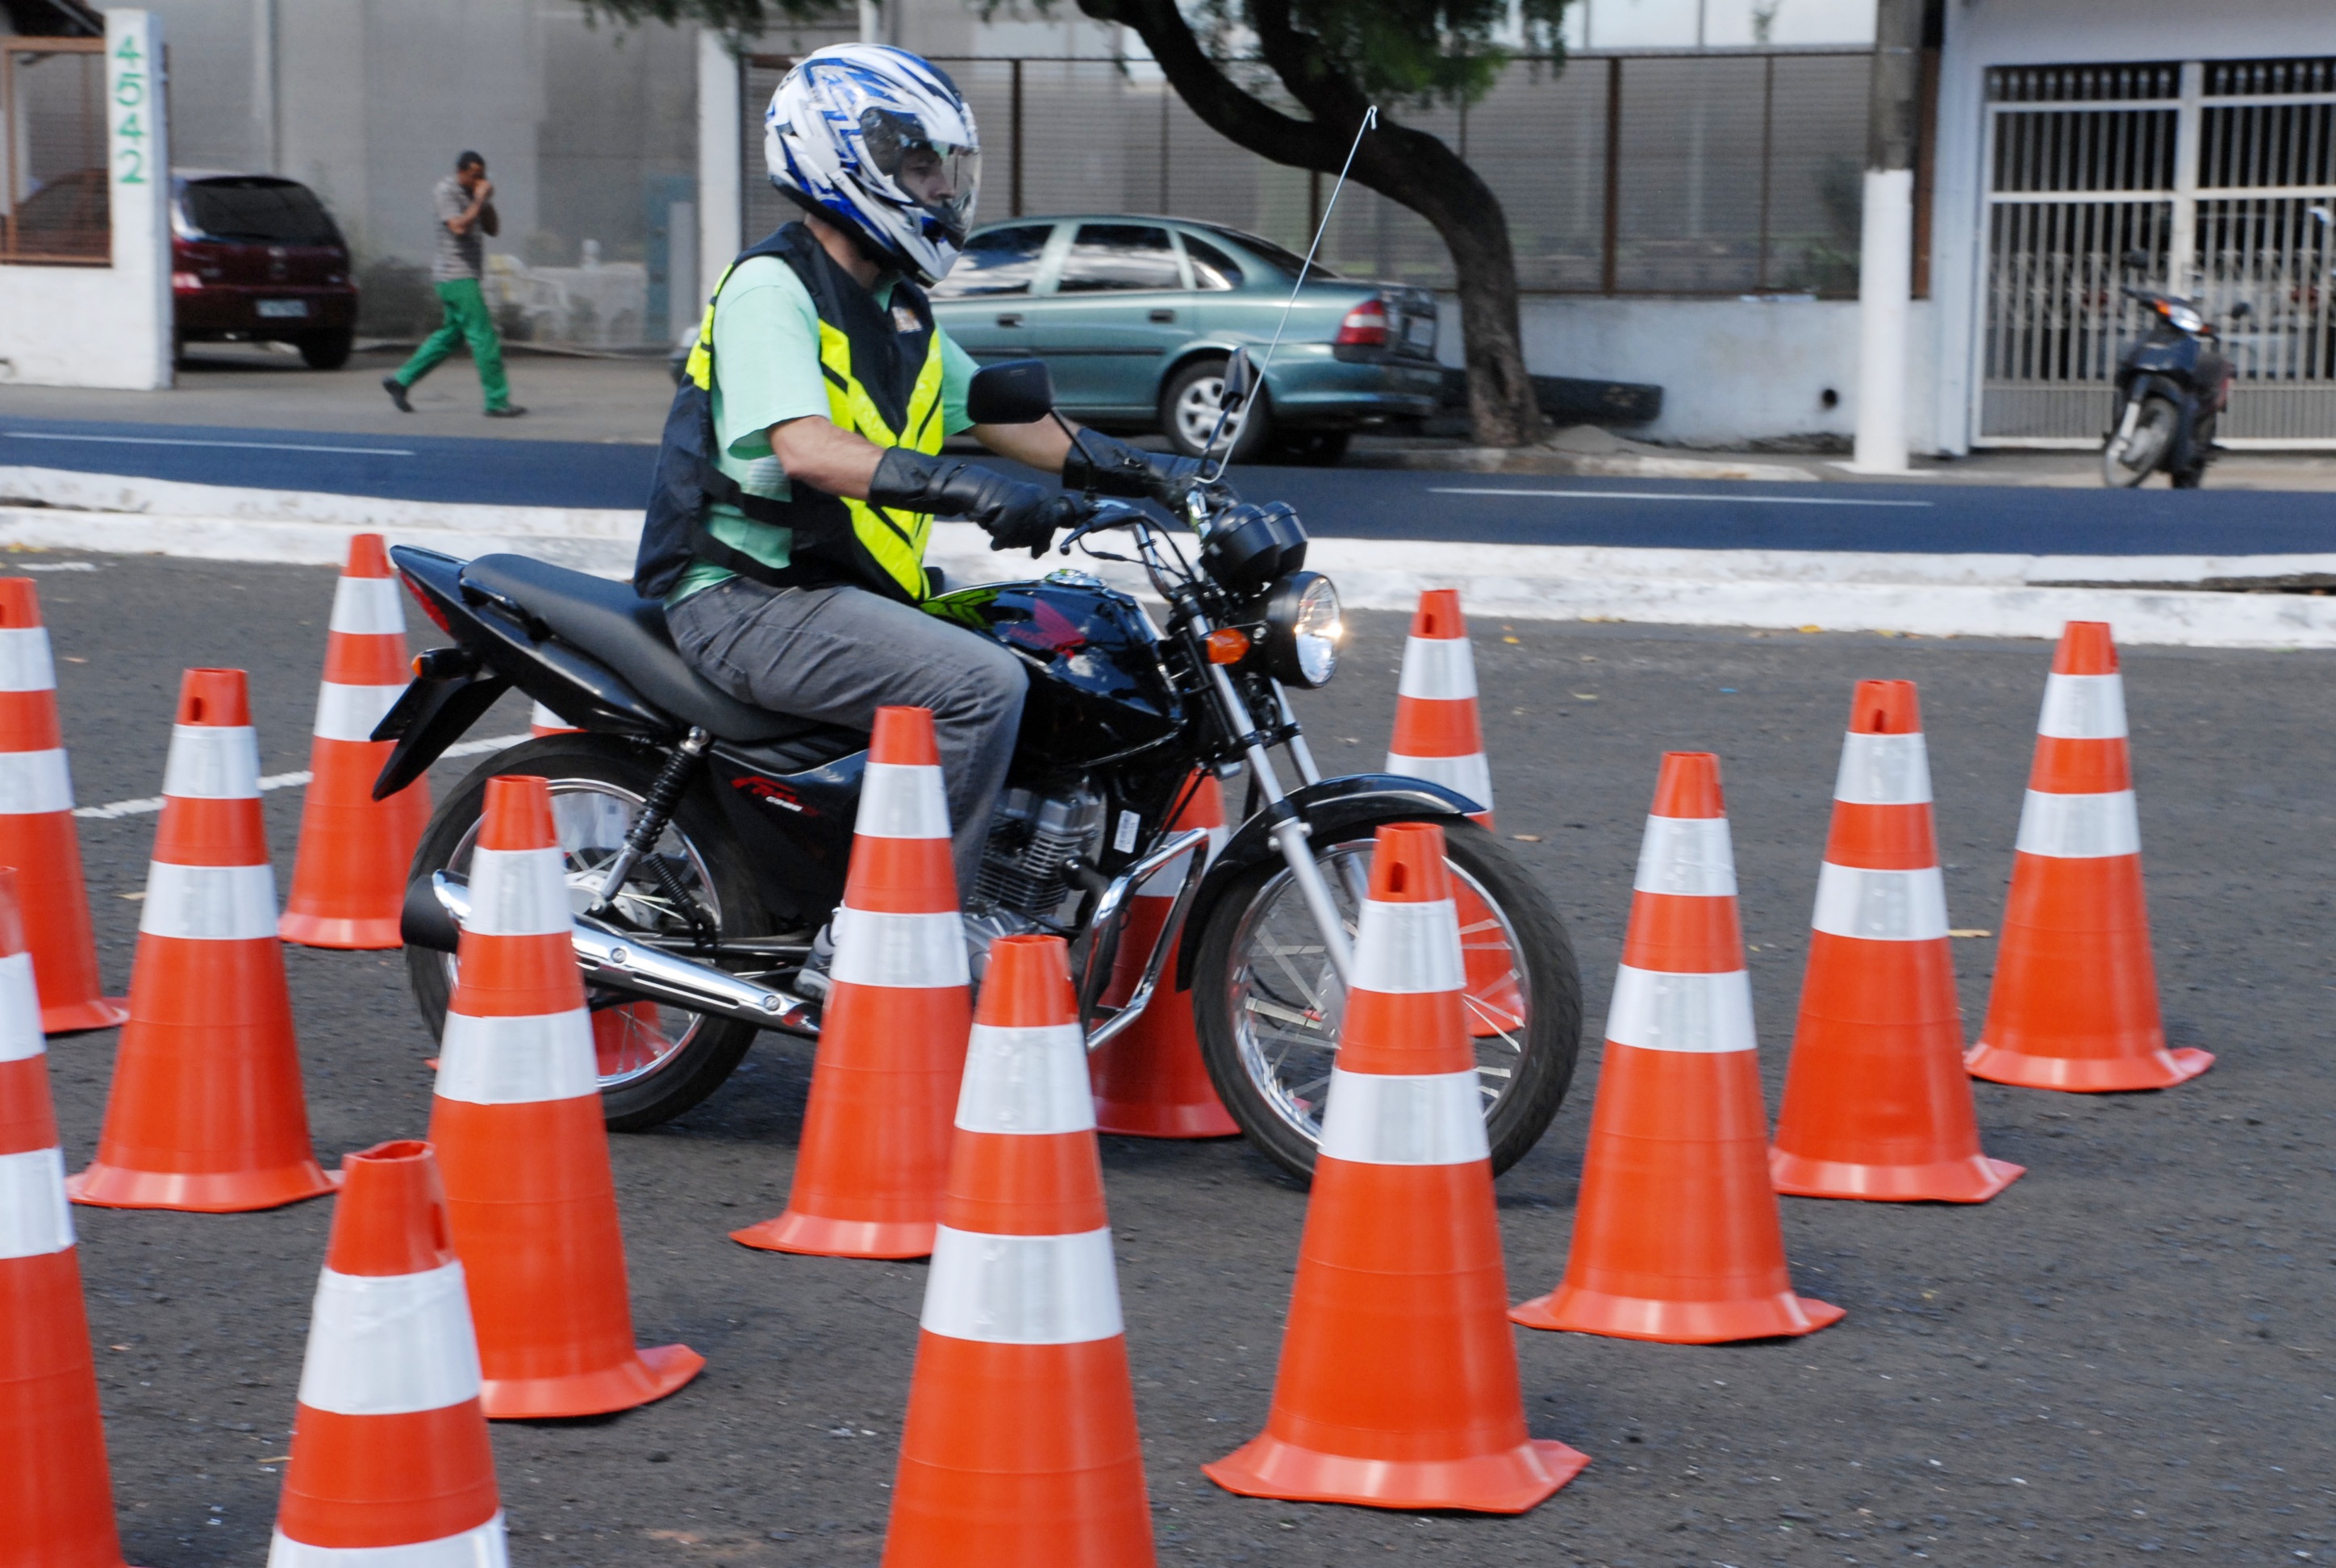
x=2172 y=382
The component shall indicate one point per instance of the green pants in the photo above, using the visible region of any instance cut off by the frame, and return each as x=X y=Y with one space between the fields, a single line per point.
x=467 y=320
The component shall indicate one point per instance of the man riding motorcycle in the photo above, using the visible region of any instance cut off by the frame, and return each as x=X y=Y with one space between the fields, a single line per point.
x=802 y=465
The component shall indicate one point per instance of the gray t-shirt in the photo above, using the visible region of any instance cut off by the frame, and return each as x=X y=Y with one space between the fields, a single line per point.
x=460 y=255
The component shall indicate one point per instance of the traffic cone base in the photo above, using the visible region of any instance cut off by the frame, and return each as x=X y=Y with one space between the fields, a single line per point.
x=1974 y=1180
x=653 y=1373
x=1508 y=1483
x=77 y=1018
x=2158 y=1070
x=225 y=1193
x=1674 y=1323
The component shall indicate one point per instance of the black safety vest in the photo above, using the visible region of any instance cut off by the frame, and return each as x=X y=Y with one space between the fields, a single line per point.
x=883 y=366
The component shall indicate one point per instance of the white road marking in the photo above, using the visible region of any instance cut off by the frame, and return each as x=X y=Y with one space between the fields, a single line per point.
x=1676 y=495
x=187 y=440
x=278 y=781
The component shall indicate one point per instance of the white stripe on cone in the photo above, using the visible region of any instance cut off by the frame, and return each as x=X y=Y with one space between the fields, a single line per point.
x=25 y=661
x=2079 y=826
x=1881 y=906
x=34 y=783
x=1404 y=950
x=20 y=1010
x=541 y=717
x=482 y=1547
x=36 y=1219
x=912 y=950
x=1438 y=669
x=518 y=894
x=518 y=1060
x=368 y=607
x=1407 y=1119
x=208 y=903
x=1468 y=776
x=1687 y=857
x=1022 y=1289
x=212 y=762
x=1656 y=1010
x=390 y=1344
x=2083 y=707
x=350 y=712
x=1883 y=770
x=1025 y=1081
x=903 y=801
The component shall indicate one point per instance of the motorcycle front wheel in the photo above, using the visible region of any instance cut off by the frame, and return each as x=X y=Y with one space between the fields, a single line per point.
x=2127 y=459
x=1266 y=1004
x=654 y=1061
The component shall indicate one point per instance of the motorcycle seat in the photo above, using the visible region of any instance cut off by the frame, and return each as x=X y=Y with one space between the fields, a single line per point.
x=611 y=623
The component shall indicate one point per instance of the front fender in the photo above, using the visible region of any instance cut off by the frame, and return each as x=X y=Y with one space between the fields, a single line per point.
x=1328 y=808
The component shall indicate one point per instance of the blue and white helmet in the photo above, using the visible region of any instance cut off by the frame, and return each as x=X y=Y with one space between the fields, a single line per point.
x=882 y=143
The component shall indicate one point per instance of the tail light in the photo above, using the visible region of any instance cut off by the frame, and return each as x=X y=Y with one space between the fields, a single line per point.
x=1366 y=325
x=430 y=606
x=186 y=282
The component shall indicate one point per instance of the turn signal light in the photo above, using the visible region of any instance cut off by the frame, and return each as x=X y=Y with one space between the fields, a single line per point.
x=1230 y=646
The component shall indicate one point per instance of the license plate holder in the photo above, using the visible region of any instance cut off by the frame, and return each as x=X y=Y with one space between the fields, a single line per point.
x=1420 y=330
x=281 y=309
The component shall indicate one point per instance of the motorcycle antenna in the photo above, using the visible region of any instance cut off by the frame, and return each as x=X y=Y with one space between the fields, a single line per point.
x=1240 y=417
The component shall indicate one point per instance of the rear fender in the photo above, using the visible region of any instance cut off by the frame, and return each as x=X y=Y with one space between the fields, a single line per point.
x=1328 y=808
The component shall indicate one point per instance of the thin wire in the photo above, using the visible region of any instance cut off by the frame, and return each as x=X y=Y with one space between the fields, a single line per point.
x=1370 y=123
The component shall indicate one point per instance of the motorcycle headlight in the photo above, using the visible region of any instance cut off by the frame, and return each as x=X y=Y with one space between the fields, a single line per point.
x=1302 y=630
x=2182 y=318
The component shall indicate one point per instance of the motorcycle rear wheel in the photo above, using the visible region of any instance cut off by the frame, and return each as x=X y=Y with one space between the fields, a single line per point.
x=656 y=1061
x=1266 y=1003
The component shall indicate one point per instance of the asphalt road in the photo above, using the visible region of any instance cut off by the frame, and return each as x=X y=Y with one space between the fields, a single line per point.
x=1370 y=503
x=2123 y=1358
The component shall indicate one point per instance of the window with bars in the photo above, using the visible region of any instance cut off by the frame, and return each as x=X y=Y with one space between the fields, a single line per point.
x=54 y=196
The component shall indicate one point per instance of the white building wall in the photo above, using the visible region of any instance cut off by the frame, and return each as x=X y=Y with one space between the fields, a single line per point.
x=107 y=326
x=1982 y=34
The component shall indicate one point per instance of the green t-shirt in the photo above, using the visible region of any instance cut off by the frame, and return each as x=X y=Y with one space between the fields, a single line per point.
x=766 y=372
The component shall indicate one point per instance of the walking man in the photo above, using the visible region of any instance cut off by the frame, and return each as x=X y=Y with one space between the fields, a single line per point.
x=466 y=216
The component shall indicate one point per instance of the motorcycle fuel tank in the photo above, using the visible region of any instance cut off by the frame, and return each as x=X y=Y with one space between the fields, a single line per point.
x=1096 y=688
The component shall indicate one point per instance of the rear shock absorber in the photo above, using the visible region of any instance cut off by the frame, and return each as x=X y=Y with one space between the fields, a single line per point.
x=657 y=812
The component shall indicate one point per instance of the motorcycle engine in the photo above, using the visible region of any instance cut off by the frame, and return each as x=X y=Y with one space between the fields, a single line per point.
x=1030 y=837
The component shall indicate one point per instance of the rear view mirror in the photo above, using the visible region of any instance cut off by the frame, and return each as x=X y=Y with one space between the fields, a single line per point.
x=1238 y=377
x=2137 y=258
x=2242 y=310
x=1016 y=392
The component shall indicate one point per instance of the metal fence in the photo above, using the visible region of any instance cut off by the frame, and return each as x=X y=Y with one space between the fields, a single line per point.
x=1624 y=174
x=54 y=202
x=2222 y=175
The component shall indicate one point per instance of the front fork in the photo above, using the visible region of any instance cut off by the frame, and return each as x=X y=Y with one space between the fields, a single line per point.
x=1290 y=832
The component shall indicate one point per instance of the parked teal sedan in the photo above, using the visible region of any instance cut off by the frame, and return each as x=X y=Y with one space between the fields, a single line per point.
x=1135 y=318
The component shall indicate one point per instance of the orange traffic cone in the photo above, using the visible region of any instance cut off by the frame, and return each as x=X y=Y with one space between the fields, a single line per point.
x=1676 y=1235
x=874 y=1156
x=206 y=1112
x=389 y=1459
x=2075 y=1000
x=1020 y=1444
x=1398 y=1380
x=1876 y=1102
x=1149 y=1080
x=542 y=721
x=54 y=1493
x=348 y=879
x=1437 y=738
x=36 y=824
x=516 y=1124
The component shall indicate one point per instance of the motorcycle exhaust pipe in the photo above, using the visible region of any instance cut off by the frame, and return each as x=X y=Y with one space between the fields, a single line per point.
x=435 y=909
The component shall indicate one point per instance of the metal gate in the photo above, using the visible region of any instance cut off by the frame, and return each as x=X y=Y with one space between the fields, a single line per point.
x=2222 y=175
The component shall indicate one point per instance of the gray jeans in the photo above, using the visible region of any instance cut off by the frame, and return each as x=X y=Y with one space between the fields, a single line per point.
x=839 y=654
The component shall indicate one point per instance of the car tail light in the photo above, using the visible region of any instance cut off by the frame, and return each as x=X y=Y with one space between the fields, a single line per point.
x=1366 y=324
x=185 y=280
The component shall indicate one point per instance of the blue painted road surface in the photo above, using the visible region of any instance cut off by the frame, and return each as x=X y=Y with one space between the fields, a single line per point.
x=1354 y=502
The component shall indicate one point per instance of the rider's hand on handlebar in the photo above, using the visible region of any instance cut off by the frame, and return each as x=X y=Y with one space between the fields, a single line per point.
x=1035 y=528
x=1012 y=511
x=1120 y=469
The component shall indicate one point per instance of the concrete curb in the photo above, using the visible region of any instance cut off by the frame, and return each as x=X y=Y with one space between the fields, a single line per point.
x=1581 y=465
x=1929 y=595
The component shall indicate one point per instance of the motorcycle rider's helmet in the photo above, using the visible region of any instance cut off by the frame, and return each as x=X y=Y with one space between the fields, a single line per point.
x=882 y=144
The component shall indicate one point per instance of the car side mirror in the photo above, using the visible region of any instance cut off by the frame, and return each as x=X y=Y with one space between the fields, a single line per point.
x=1238 y=380
x=2137 y=258
x=1016 y=392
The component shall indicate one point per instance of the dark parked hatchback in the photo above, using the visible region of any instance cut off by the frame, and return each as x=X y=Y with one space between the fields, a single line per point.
x=257 y=258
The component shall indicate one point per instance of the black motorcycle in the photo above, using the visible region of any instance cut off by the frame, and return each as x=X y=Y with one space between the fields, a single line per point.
x=706 y=842
x=2172 y=383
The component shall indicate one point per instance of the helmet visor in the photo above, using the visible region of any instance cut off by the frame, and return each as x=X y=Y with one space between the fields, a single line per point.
x=939 y=177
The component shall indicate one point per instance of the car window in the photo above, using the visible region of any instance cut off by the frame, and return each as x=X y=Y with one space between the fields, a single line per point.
x=1288 y=261
x=997 y=261
x=1212 y=267
x=259 y=212
x=1110 y=257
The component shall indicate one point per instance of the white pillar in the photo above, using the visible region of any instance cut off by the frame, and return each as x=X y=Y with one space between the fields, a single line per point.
x=1885 y=269
x=721 y=189
x=138 y=154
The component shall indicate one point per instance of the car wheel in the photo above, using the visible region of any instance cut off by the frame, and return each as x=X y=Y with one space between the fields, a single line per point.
x=329 y=349
x=1188 y=412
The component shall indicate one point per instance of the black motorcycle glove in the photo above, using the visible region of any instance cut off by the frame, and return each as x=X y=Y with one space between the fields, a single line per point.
x=1115 y=468
x=1012 y=511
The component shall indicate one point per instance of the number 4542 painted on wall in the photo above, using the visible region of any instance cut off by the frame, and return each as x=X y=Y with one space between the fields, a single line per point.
x=129 y=98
